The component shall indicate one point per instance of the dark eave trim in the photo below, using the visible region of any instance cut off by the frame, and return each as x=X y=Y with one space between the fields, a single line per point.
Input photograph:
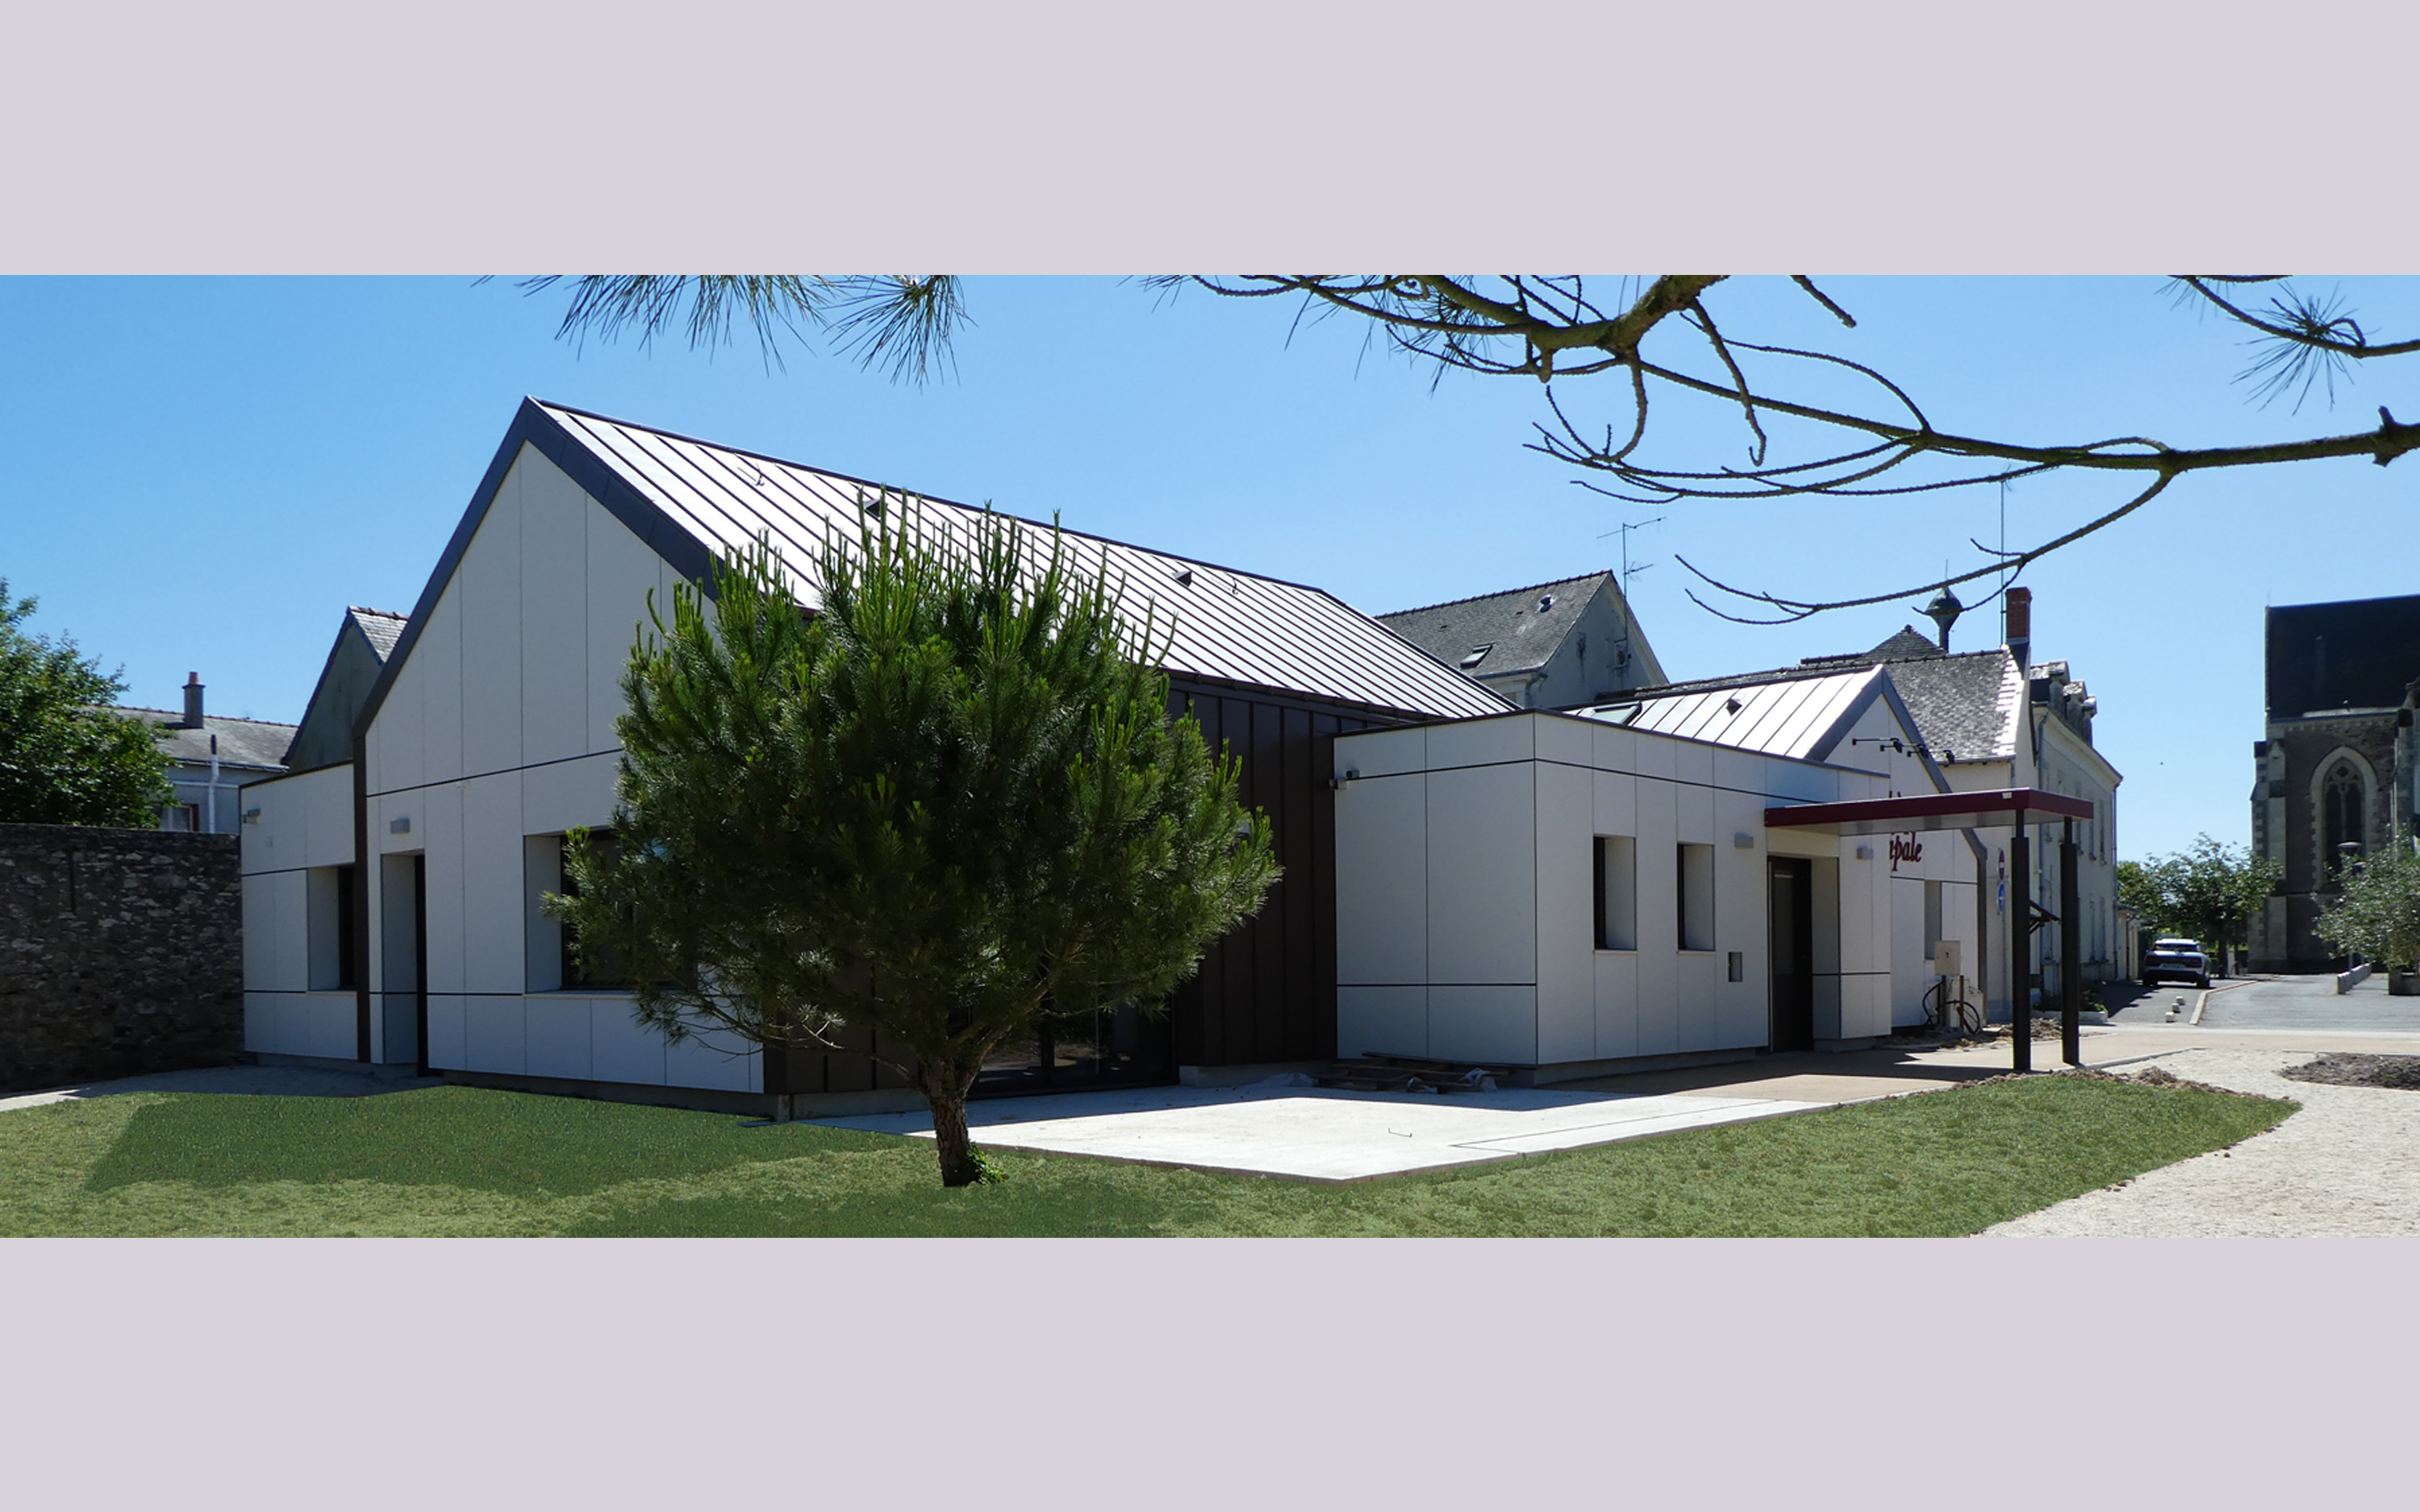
x=1931 y=810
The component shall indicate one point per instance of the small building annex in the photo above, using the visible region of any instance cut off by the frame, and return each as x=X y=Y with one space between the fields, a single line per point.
x=1572 y=894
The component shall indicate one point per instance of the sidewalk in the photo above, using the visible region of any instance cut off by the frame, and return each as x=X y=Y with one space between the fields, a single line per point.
x=2343 y=1165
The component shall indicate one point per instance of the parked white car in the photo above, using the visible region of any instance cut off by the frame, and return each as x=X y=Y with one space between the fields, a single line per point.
x=2174 y=960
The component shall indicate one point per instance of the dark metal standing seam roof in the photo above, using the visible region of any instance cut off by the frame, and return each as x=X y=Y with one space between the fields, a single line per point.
x=1226 y=625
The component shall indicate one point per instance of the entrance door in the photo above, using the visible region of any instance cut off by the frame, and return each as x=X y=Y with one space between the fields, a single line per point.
x=403 y=892
x=1791 y=935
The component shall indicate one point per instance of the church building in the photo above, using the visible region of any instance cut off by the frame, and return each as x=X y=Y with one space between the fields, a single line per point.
x=2334 y=779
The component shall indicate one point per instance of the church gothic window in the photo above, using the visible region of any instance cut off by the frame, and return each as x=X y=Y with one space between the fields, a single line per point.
x=2340 y=813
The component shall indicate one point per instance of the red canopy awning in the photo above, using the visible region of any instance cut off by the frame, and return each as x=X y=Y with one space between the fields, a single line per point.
x=1930 y=810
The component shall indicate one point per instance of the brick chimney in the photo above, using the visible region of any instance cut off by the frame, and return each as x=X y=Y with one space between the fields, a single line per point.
x=2020 y=627
x=193 y=702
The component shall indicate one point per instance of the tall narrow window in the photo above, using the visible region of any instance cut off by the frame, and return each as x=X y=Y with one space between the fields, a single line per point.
x=1617 y=892
x=601 y=967
x=328 y=920
x=1695 y=879
x=2340 y=815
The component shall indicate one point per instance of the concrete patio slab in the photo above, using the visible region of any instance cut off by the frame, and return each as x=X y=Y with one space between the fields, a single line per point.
x=1310 y=1134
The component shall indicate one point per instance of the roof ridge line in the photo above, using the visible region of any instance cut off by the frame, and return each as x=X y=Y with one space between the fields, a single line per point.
x=921 y=496
x=1501 y=593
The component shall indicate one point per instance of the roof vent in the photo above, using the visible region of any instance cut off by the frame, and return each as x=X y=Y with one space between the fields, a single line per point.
x=1476 y=655
x=1732 y=706
x=1545 y=602
x=1185 y=577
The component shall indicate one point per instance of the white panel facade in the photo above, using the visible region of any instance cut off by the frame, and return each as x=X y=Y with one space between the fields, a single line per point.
x=1578 y=1006
x=438 y=709
x=1382 y=832
x=495 y=1035
x=490 y=579
x=1566 y=894
x=554 y=612
x=558 y=796
x=1386 y=1020
x=1482 y=876
x=493 y=960
x=1498 y=1024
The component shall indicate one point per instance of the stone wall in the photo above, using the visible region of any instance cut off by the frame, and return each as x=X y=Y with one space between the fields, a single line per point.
x=121 y=952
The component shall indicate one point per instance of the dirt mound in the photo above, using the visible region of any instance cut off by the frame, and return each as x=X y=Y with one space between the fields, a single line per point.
x=2336 y=1069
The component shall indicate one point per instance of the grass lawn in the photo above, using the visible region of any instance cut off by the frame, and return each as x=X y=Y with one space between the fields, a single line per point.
x=456 y=1160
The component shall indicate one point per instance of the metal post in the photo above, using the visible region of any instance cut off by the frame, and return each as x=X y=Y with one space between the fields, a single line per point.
x=2070 y=972
x=2021 y=908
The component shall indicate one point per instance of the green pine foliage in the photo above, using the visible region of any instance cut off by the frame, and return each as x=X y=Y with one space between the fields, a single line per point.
x=65 y=758
x=2378 y=913
x=947 y=803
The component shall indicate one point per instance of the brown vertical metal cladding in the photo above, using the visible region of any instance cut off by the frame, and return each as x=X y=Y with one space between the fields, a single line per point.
x=1304 y=864
x=1264 y=769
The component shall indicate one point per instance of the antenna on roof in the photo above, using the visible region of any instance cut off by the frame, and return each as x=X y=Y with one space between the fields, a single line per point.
x=1622 y=647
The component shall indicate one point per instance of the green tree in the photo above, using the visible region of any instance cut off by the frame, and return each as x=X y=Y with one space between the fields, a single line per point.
x=2378 y=913
x=65 y=758
x=2209 y=893
x=944 y=805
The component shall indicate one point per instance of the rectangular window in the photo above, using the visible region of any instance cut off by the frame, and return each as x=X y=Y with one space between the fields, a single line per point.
x=1617 y=892
x=328 y=924
x=602 y=968
x=1695 y=876
x=1931 y=919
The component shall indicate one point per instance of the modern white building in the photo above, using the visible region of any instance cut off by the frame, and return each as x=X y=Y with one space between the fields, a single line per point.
x=1574 y=894
x=394 y=902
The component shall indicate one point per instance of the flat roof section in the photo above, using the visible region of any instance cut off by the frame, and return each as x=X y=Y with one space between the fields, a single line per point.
x=1931 y=811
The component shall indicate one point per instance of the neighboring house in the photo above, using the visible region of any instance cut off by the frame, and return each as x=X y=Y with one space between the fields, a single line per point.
x=1995 y=720
x=213 y=756
x=393 y=901
x=1572 y=895
x=2335 y=774
x=1555 y=646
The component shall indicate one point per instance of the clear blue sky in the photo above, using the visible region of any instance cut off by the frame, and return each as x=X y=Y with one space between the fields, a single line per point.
x=199 y=474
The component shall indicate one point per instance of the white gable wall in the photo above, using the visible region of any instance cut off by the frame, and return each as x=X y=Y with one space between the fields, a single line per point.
x=304 y=830
x=498 y=726
x=1465 y=860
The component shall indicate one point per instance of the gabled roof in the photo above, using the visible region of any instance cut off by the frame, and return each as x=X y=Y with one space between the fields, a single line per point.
x=258 y=743
x=365 y=640
x=2358 y=654
x=692 y=501
x=1796 y=717
x=1963 y=704
x=1522 y=627
x=381 y=628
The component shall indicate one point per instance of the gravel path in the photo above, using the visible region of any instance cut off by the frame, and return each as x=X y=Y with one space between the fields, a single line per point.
x=2343 y=1165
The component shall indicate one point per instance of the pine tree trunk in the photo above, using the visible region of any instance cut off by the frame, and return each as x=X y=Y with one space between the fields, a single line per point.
x=948 y=1096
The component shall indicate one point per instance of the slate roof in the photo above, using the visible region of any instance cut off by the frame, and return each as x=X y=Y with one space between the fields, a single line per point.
x=1963 y=702
x=691 y=501
x=2358 y=654
x=258 y=743
x=381 y=627
x=1523 y=630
